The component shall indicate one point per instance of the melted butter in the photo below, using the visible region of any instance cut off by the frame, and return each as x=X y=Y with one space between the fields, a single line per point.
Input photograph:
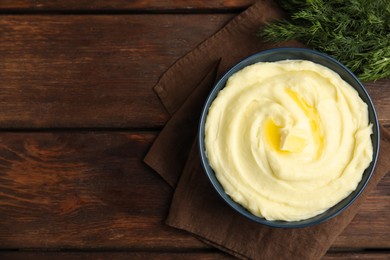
x=272 y=134
x=293 y=140
x=314 y=119
x=283 y=140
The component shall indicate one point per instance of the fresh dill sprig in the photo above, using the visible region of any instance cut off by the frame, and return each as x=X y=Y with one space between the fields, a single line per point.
x=355 y=32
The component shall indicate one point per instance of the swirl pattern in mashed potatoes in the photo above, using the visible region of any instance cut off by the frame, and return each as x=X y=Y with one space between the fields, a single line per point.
x=289 y=139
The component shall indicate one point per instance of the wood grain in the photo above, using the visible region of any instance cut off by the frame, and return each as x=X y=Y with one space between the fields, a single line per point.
x=90 y=190
x=99 y=70
x=379 y=92
x=91 y=71
x=174 y=5
x=370 y=255
x=87 y=190
x=204 y=255
x=115 y=255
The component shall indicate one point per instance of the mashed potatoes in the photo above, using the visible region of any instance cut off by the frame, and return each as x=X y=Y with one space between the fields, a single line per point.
x=288 y=140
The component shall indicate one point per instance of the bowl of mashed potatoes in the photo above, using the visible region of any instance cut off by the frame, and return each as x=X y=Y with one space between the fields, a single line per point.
x=289 y=137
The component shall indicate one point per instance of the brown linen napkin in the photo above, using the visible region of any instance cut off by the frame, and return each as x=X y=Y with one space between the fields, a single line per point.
x=170 y=150
x=196 y=207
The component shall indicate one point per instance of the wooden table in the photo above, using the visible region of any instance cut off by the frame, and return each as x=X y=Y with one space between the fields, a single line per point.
x=77 y=115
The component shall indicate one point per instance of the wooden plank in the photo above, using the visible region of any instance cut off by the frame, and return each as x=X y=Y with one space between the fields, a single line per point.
x=204 y=255
x=90 y=190
x=124 y=5
x=104 y=76
x=379 y=92
x=53 y=186
x=363 y=255
x=91 y=71
x=115 y=255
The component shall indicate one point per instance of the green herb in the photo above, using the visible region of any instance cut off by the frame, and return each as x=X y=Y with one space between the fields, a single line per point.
x=355 y=32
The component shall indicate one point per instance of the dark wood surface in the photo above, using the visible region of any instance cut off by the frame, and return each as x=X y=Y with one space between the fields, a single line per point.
x=77 y=115
x=134 y=5
x=203 y=255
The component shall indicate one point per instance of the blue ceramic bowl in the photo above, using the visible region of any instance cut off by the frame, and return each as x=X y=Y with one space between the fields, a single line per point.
x=293 y=54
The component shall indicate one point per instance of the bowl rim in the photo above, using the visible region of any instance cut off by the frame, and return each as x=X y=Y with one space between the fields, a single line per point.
x=322 y=217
